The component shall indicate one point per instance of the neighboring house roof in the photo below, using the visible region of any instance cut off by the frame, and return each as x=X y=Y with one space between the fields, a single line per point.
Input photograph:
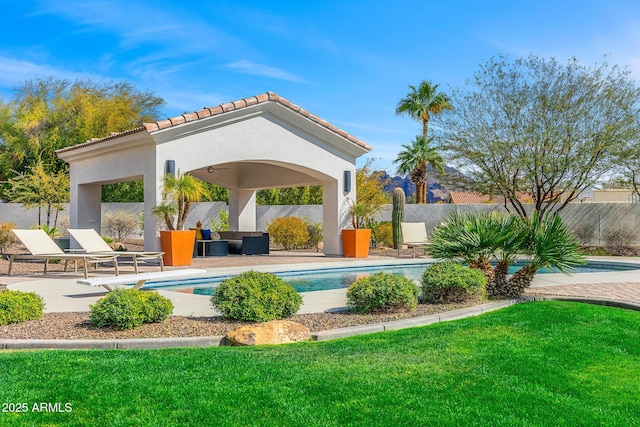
x=221 y=109
x=462 y=197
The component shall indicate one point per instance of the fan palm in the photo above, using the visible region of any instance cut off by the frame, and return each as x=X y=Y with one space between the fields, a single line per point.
x=550 y=244
x=414 y=160
x=476 y=238
x=422 y=102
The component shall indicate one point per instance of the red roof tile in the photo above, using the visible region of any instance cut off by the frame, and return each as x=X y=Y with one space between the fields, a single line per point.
x=223 y=108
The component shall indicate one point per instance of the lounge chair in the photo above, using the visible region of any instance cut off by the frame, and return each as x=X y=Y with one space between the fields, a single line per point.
x=93 y=244
x=414 y=235
x=41 y=247
x=137 y=280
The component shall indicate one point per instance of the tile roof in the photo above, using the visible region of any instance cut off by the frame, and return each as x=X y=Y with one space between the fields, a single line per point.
x=461 y=197
x=220 y=109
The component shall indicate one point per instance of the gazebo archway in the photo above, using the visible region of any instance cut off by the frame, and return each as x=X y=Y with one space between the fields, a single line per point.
x=255 y=143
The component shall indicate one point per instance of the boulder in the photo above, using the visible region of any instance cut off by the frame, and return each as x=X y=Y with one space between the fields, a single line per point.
x=273 y=332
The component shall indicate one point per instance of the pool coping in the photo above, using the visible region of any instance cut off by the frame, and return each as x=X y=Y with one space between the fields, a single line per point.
x=330 y=334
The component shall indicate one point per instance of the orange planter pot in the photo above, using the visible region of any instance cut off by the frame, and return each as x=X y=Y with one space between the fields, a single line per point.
x=355 y=243
x=177 y=246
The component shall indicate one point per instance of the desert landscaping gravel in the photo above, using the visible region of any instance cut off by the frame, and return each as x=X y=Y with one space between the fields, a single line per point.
x=78 y=325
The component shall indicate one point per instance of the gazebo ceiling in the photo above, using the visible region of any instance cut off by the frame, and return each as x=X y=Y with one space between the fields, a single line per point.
x=257 y=175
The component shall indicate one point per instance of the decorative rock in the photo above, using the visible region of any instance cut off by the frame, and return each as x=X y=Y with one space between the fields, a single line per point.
x=273 y=332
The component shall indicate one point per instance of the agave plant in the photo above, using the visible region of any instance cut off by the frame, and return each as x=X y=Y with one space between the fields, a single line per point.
x=549 y=244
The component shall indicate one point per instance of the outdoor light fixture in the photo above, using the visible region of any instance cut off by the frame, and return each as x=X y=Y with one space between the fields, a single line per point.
x=210 y=169
x=347 y=181
x=170 y=167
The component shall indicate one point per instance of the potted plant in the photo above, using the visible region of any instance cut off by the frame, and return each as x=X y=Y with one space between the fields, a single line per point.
x=178 y=193
x=370 y=199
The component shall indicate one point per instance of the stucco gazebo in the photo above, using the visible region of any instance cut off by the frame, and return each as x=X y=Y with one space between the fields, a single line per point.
x=255 y=143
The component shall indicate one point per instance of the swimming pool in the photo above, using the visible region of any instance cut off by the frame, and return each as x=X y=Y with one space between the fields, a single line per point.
x=335 y=278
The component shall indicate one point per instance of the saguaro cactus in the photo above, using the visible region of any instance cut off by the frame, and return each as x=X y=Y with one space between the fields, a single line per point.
x=397 y=215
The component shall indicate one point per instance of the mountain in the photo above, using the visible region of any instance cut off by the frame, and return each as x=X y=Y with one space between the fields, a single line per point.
x=436 y=192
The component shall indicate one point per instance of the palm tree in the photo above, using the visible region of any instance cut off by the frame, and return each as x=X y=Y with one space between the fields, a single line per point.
x=423 y=101
x=476 y=239
x=179 y=191
x=420 y=104
x=549 y=244
x=413 y=161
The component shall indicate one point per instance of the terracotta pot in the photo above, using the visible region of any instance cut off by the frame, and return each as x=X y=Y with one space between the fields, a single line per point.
x=355 y=242
x=177 y=246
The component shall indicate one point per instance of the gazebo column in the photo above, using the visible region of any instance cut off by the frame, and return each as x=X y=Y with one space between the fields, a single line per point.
x=85 y=206
x=335 y=215
x=152 y=195
x=242 y=210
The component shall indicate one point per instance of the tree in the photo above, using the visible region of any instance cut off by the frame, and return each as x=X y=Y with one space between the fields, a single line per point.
x=420 y=104
x=370 y=195
x=179 y=192
x=41 y=188
x=414 y=160
x=48 y=114
x=540 y=127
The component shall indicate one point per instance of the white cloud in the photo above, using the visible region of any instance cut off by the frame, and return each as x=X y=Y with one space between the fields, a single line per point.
x=247 y=67
x=15 y=71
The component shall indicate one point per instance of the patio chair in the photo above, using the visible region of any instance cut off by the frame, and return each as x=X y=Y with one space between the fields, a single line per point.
x=91 y=242
x=414 y=235
x=41 y=247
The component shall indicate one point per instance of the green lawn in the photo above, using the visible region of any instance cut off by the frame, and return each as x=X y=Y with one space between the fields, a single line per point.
x=544 y=363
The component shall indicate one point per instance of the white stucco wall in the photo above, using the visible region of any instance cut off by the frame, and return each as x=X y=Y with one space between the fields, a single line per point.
x=262 y=146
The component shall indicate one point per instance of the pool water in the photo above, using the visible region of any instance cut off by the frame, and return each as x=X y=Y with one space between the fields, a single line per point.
x=336 y=278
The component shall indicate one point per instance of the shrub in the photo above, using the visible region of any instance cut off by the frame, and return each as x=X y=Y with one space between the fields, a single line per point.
x=288 y=231
x=315 y=233
x=382 y=292
x=6 y=236
x=157 y=308
x=452 y=282
x=120 y=224
x=619 y=239
x=17 y=306
x=128 y=308
x=222 y=224
x=383 y=234
x=257 y=297
x=584 y=232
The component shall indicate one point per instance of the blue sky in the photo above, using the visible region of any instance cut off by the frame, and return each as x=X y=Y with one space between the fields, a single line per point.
x=349 y=62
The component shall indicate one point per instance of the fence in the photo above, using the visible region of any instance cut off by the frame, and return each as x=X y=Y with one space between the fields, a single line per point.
x=599 y=215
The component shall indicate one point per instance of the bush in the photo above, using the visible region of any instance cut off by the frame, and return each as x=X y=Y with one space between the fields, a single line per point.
x=6 y=236
x=223 y=222
x=584 y=232
x=288 y=231
x=383 y=234
x=128 y=308
x=17 y=306
x=257 y=297
x=315 y=233
x=382 y=292
x=120 y=224
x=452 y=282
x=156 y=307
x=618 y=240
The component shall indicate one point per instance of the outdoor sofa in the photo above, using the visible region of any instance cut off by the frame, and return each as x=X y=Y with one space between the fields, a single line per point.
x=239 y=242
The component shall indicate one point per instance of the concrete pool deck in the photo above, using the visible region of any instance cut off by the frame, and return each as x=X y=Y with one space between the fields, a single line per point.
x=62 y=294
